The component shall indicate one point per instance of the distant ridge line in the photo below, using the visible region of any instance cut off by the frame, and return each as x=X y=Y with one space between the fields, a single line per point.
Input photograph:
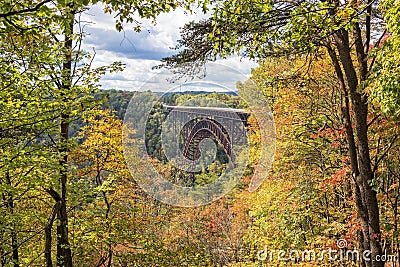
x=196 y=93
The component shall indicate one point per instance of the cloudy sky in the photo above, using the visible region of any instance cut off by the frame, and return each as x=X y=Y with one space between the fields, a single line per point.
x=141 y=51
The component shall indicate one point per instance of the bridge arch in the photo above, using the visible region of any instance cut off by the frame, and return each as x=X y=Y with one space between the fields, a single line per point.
x=200 y=129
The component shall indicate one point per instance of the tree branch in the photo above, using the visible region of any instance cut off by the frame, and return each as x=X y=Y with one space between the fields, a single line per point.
x=26 y=10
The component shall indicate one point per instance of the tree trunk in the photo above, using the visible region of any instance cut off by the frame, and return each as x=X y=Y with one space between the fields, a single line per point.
x=368 y=211
x=2 y=250
x=346 y=118
x=64 y=255
x=14 y=238
x=48 y=237
x=14 y=245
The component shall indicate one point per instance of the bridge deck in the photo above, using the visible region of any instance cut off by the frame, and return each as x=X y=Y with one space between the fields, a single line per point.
x=230 y=113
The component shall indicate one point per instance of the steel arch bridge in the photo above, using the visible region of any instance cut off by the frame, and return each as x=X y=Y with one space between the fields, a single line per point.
x=224 y=124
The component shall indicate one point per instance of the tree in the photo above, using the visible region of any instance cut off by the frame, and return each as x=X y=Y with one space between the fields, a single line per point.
x=41 y=53
x=385 y=78
x=304 y=202
x=260 y=29
x=26 y=121
x=102 y=177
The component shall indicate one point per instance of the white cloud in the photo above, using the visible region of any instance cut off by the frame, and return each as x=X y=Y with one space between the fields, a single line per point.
x=141 y=51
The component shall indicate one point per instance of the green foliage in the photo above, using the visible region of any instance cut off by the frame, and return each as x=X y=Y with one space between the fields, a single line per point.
x=261 y=29
x=385 y=82
x=46 y=85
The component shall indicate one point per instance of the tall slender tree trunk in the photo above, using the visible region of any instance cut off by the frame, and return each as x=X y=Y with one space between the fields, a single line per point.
x=64 y=255
x=2 y=250
x=365 y=196
x=14 y=245
x=14 y=238
x=346 y=118
x=49 y=226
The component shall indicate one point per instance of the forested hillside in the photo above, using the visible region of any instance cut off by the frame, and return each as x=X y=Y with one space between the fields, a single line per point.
x=80 y=182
